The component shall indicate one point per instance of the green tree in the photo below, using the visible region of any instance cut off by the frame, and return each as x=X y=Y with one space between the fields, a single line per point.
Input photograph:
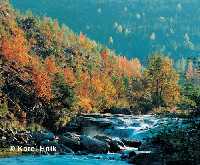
x=63 y=95
x=163 y=81
x=191 y=93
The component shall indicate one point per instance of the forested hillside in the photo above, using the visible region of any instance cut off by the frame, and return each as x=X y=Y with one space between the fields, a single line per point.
x=133 y=28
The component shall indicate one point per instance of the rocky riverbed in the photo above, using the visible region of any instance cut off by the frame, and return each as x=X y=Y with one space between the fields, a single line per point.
x=102 y=137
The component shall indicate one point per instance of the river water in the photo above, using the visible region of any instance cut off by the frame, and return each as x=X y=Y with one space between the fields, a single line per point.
x=131 y=127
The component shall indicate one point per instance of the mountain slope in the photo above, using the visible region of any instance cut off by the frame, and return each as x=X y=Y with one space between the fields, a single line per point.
x=131 y=27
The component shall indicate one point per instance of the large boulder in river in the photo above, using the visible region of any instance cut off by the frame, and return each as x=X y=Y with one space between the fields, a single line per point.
x=132 y=143
x=93 y=145
x=71 y=135
x=65 y=149
x=103 y=138
x=131 y=154
x=144 y=158
x=71 y=141
x=115 y=145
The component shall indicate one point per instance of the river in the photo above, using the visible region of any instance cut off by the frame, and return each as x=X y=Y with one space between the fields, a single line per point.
x=131 y=127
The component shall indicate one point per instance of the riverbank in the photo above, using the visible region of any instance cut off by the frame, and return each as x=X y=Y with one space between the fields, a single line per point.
x=87 y=134
x=128 y=137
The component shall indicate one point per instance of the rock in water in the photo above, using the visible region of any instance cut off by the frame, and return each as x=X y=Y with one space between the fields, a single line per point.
x=144 y=158
x=93 y=145
x=131 y=154
x=105 y=139
x=132 y=143
x=72 y=143
x=116 y=146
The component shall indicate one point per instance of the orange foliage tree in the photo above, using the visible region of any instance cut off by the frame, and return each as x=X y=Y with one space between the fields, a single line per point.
x=104 y=54
x=82 y=37
x=104 y=92
x=42 y=83
x=85 y=103
x=85 y=42
x=82 y=91
x=69 y=76
x=51 y=65
x=14 y=48
x=130 y=68
x=135 y=67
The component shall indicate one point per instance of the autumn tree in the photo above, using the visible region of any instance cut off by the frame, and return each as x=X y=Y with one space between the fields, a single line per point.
x=69 y=76
x=51 y=65
x=82 y=37
x=104 y=54
x=163 y=81
x=83 y=93
x=86 y=43
x=14 y=48
x=130 y=68
x=190 y=71
x=193 y=72
x=135 y=66
x=103 y=91
x=42 y=83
